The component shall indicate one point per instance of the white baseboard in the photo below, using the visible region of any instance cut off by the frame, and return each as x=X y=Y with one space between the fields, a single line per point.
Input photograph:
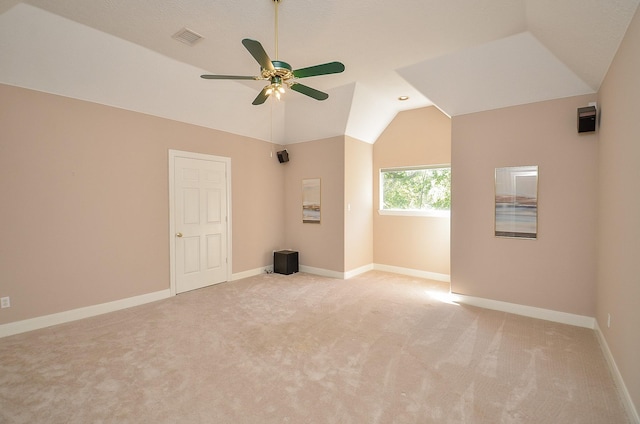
x=358 y=271
x=80 y=313
x=251 y=273
x=308 y=269
x=413 y=272
x=350 y=274
x=322 y=272
x=336 y=274
x=378 y=267
x=527 y=311
x=632 y=412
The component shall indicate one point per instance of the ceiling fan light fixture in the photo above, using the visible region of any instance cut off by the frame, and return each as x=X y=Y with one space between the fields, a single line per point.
x=276 y=89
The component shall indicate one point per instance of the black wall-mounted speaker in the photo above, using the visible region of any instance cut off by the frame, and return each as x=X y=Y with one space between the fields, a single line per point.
x=283 y=156
x=587 y=119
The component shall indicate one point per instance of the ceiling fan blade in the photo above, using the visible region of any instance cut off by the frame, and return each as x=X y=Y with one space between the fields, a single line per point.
x=308 y=91
x=262 y=97
x=324 y=69
x=258 y=53
x=229 y=77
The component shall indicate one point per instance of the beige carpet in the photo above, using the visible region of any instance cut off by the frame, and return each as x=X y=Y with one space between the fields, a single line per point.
x=378 y=348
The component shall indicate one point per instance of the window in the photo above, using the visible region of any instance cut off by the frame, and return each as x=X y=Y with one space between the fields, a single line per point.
x=424 y=190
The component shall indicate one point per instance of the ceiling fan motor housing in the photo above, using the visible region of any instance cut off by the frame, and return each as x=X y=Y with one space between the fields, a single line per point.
x=281 y=69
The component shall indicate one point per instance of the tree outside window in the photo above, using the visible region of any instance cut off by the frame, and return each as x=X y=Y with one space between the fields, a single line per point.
x=416 y=189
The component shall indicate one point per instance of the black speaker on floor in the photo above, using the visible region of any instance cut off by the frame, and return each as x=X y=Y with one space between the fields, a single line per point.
x=285 y=262
x=283 y=156
x=586 y=119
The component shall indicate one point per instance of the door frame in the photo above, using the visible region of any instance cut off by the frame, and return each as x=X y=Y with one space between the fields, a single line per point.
x=173 y=154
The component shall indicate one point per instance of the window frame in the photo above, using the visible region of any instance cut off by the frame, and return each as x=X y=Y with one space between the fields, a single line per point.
x=409 y=212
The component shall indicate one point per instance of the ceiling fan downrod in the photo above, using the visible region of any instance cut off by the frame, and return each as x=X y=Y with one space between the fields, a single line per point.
x=276 y=26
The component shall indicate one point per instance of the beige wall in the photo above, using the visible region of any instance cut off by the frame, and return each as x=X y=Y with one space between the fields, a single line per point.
x=415 y=137
x=618 y=282
x=556 y=271
x=358 y=201
x=342 y=242
x=84 y=213
x=318 y=245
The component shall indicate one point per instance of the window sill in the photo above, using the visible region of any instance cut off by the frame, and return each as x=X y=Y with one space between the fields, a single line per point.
x=398 y=212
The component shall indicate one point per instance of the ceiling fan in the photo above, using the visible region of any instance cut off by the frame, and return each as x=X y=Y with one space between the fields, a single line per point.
x=279 y=73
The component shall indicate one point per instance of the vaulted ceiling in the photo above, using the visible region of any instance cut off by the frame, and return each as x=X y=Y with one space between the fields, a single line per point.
x=462 y=56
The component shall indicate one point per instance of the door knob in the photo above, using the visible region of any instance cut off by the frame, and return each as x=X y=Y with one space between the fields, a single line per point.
x=178 y=234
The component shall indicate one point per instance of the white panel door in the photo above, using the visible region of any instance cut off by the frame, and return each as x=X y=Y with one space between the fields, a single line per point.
x=200 y=223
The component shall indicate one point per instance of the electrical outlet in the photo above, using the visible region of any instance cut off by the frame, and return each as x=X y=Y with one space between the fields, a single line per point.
x=5 y=302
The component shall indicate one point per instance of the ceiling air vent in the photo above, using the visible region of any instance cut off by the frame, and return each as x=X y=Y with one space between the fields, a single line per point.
x=185 y=35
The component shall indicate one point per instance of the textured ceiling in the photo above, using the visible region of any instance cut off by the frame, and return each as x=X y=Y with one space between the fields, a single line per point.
x=461 y=55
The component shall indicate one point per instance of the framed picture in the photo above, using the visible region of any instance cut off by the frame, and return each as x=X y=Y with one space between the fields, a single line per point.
x=516 y=202
x=311 y=201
